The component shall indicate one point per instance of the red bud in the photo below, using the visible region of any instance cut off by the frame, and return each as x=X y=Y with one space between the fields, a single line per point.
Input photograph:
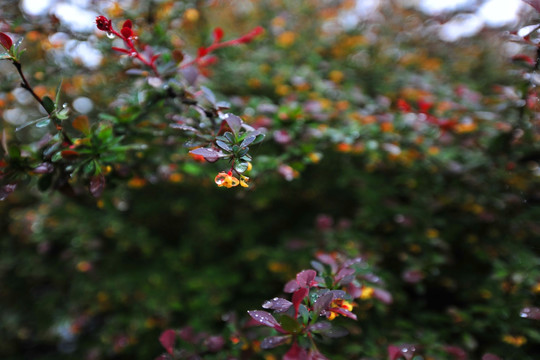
x=218 y=34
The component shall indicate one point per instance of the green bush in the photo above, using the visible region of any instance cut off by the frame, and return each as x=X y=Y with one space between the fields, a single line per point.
x=416 y=157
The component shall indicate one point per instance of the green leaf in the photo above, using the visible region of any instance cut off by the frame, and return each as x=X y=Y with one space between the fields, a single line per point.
x=63 y=114
x=290 y=325
x=58 y=89
x=240 y=166
x=45 y=182
x=14 y=152
x=48 y=104
x=230 y=136
x=223 y=145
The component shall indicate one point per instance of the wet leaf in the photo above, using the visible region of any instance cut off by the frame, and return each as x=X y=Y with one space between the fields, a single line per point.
x=530 y=313
x=223 y=145
x=277 y=304
x=5 y=190
x=273 y=341
x=291 y=286
x=241 y=166
x=210 y=154
x=321 y=326
x=264 y=318
x=97 y=185
x=323 y=302
x=234 y=122
x=306 y=278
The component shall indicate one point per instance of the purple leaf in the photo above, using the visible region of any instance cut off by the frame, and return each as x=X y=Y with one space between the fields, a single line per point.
x=350 y=262
x=234 y=122
x=291 y=286
x=338 y=294
x=264 y=318
x=210 y=154
x=306 y=278
x=383 y=296
x=345 y=312
x=184 y=127
x=336 y=332
x=97 y=185
x=44 y=168
x=323 y=302
x=530 y=313
x=273 y=341
x=345 y=272
x=321 y=326
x=315 y=355
x=214 y=343
x=5 y=190
x=490 y=357
x=534 y=3
x=277 y=304
x=209 y=95
x=456 y=351
x=167 y=340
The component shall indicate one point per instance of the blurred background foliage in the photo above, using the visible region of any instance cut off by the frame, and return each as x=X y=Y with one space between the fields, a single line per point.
x=382 y=140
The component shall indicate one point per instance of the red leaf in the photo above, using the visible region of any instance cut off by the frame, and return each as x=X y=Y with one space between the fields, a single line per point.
x=127 y=32
x=306 y=278
x=394 y=352
x=297 y=298
x=127 y=24
x=5 y=41
x=296 y=353
x=69 y=154
x=167 y=340
x=218 y=34
x=534 y=3
x=524 y=58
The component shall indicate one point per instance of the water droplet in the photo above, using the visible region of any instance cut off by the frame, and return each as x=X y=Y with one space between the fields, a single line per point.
x=530 y=313
x=110 y=35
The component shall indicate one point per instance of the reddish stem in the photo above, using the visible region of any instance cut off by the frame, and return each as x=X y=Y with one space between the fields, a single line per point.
x=134 y=50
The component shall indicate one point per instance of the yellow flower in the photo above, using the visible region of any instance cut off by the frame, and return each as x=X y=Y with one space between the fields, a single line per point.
x=244 y=181
x=226 y=179
x=367 y=293
x=336 y=308
x=191 y=15
x=286 y=39
x=516 y=341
